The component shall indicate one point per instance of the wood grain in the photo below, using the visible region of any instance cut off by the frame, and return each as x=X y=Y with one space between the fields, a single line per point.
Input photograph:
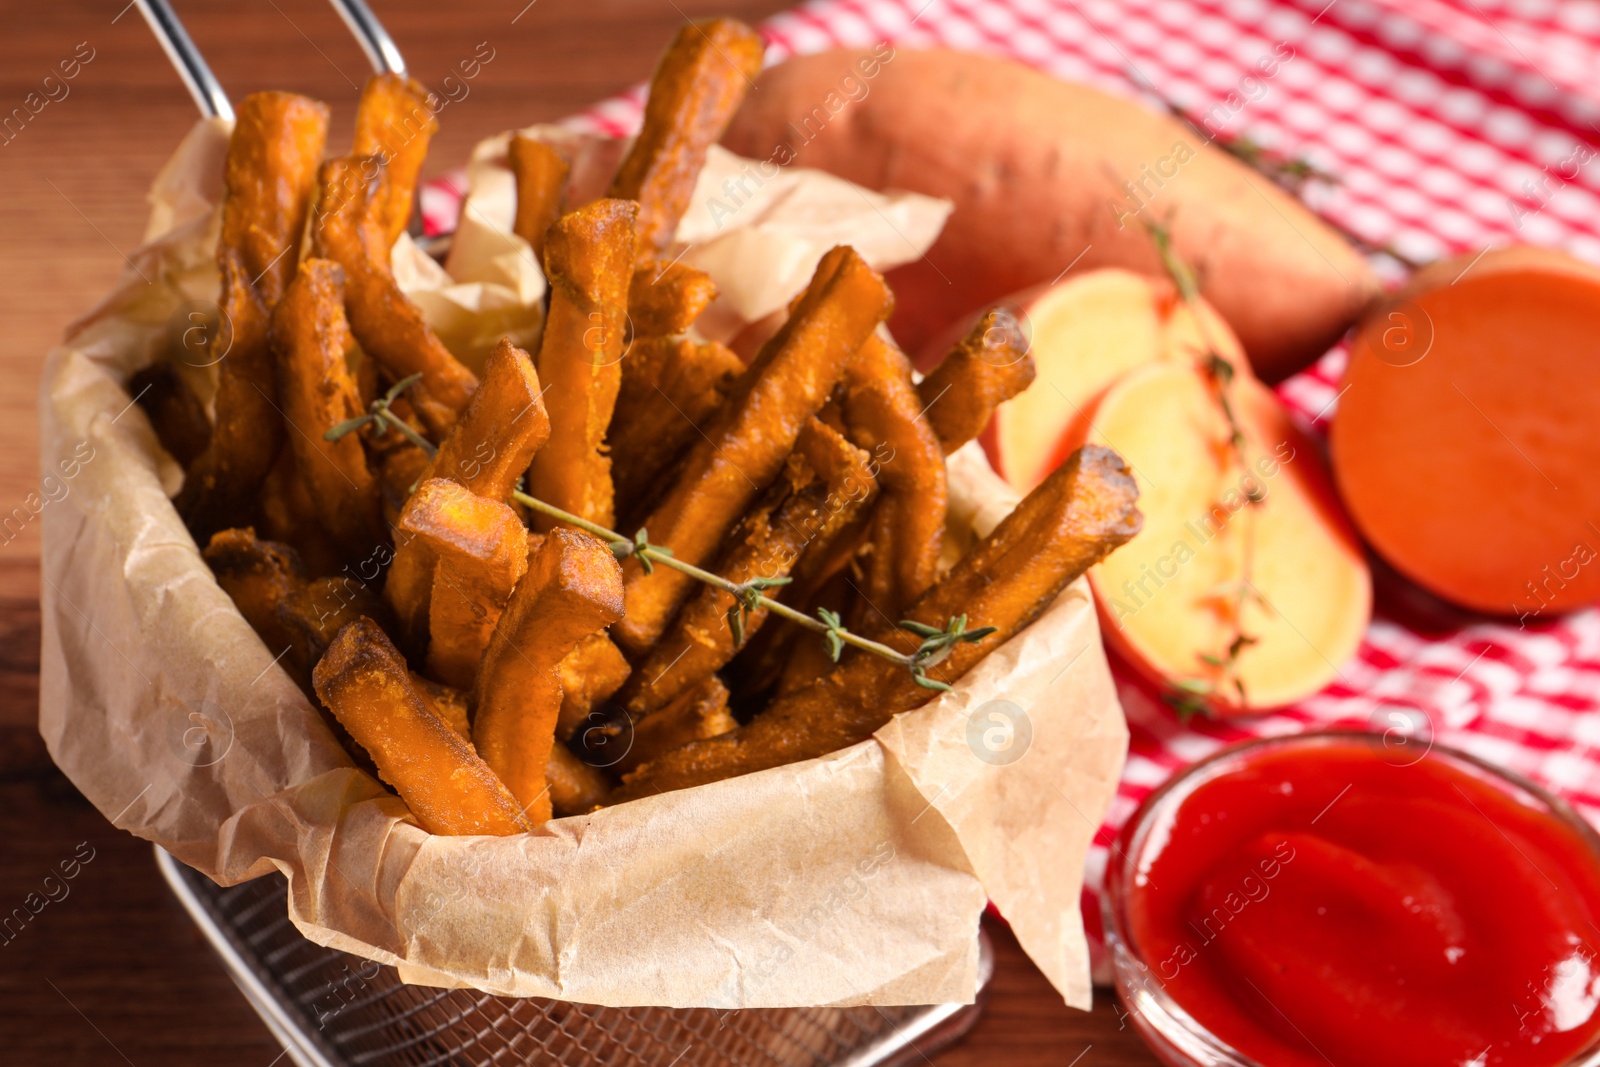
x=114 y=973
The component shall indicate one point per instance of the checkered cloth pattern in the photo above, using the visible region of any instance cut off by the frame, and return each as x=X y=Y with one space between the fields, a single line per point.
x=1450 y=126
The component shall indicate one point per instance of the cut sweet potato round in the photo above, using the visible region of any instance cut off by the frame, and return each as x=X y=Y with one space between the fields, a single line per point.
x=1467 y=436
x=1169 y=599
x=1084 y=333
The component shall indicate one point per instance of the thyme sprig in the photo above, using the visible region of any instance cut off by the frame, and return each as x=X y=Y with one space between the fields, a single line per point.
x=748 y=596
x=1188 y=695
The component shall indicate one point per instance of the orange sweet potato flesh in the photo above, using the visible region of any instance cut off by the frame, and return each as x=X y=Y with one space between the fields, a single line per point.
x=364 y=682
x=575 y=787
x=1465 y=439
x=317 y=392
x=671 y=387
x=590 y=675
x=1074 y=519
x=990 y=366
x=883 y=415
x=992 y=135
x=258 y=575
x=487 y=451
x=573 y=588
x=698 y=85
x=699 y=713
x=268 y=177
x=806 y=503
x=588 y=260
x=480 y=552
x=501 y=429
x=745 y=448
x=349 y=229
x=665 y=300
x=541 y=175
x=395 y=123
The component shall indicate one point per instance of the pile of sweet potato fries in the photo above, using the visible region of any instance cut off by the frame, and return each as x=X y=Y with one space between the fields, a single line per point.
x=436 y=549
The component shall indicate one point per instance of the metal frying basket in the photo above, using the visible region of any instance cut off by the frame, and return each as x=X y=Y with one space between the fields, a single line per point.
x=331 y=1009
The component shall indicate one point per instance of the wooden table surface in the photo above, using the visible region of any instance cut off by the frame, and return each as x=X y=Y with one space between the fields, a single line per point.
x=114 y=973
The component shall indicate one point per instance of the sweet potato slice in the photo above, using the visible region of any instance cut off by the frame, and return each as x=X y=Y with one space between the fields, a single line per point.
x=990 y=366
x=349 y=229
x=698 y=85
x=258 y=575
x=317 y=391
x=480 y=552
x=541 y=175
x=883 y=415
x=572 y=589
x=1465 y=438
x=1070 y=522
x=446 y=701
x=268 y=177
x=1085 y=333
x=589 y=264
x=671 y=387
x=746 y=446
x=395 y=123
x=1174 y=602
x=364 y=682
x=665 y=300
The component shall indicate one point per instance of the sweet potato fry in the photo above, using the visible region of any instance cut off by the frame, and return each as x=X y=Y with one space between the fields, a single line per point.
x=589 y=675
x=271 y=166
x=588 y=262
x=810 y=500
x=487 y=451
x=258 y=575
x=883 y=415
x=317 y=392
x=317 y=611
x=501 y=429
x=447 y=702
x=364 y=682
x=572 y=589
x=175 y=412
x=671 y=387
x=698 y=85
x=746 y=446
x=699 y=713
x=394 y=122
x=1070 y=522
x=575 y=787
x=480 y=551
x=665 y=300
x=348 y=229
x=541 y=175
x=990 y=366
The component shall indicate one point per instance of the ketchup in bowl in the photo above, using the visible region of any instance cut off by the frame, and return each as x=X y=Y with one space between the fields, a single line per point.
x=1330 y=900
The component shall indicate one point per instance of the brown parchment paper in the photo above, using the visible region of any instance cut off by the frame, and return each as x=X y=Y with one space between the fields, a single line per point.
x=857 y=878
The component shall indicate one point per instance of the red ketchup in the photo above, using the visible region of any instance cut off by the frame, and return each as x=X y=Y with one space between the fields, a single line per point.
x=1314 y=903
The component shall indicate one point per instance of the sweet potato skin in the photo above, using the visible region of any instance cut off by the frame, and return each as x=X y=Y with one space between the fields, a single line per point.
x=1036 y=168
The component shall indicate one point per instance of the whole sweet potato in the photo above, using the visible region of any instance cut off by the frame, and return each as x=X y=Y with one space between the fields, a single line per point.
x=1046 y=174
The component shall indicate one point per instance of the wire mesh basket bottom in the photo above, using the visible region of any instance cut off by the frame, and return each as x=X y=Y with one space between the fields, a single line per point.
x=332 y=1009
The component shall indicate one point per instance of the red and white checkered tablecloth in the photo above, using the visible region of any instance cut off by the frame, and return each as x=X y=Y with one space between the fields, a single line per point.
x=1451 y=125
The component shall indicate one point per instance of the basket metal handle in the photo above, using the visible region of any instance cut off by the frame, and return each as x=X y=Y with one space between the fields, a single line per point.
x=382 y=52
x=186 y=59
